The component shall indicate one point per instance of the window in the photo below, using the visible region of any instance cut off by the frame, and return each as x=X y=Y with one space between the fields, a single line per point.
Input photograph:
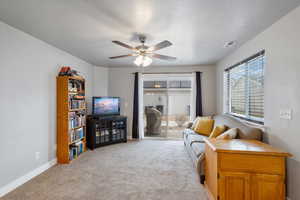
x=180 y=84
x=168 y=84
x=244 y=88
x=155 y=84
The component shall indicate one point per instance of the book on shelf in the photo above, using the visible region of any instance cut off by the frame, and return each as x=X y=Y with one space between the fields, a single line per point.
x=77 y=104
x=75 y=86
x=76 y=120
x=76 y=149
x=76 y=134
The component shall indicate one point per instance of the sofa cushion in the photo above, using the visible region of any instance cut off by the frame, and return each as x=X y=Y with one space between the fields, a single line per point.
x=197 y=119
x=204 y=126
x=218 y=130
x=228 y=135
x=198 y=148
x=244 y=130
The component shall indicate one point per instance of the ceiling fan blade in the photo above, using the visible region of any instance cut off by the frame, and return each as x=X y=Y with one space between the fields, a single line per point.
x=124 y=45
x=163 y=57
x=160 y=45
x=122 y=56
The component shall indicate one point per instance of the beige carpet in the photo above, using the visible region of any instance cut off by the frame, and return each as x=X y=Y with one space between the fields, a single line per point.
x=149 y=169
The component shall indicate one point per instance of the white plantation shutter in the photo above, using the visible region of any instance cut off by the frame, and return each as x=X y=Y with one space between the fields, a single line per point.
x=244 y=88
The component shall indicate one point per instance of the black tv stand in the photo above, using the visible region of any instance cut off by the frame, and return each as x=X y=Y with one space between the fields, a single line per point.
x=105 y=130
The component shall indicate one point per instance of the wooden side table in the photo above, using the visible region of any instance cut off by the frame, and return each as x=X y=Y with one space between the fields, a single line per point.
x=244 y=170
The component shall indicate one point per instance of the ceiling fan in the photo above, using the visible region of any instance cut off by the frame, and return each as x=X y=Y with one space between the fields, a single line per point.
x=144 y=53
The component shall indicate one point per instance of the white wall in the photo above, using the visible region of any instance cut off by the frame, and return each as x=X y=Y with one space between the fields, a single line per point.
x=28 y=69
x=120 y=83
x=282 y=44
x=100 y=79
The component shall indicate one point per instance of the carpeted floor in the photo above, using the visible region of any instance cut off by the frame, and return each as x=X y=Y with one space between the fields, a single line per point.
x=149 y=169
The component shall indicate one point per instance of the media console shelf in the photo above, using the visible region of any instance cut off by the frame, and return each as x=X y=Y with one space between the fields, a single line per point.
x=105 y=130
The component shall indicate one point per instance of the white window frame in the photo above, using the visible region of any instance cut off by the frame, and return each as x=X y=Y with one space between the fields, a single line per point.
x=227 y=91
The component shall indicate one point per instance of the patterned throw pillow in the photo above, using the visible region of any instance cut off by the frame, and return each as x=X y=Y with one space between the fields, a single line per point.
x=218 y=130
x=228 y=135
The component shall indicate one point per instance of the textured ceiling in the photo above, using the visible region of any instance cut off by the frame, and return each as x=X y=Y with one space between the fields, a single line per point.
x=197 y=28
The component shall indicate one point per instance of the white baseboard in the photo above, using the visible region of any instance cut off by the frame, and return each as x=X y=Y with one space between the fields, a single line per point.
x=23 y=179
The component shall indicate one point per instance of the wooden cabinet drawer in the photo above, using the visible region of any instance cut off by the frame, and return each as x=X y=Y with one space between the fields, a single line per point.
x=252 y=163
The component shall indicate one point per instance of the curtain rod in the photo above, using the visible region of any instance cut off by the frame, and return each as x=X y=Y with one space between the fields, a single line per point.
x=165 y=72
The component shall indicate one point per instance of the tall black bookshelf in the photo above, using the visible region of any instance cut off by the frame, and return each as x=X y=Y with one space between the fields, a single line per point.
x=105 y=130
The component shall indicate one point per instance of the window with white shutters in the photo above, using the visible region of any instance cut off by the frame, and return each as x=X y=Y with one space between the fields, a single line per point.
x=244 y=88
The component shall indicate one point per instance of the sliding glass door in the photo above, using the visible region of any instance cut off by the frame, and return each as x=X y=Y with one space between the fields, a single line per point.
x=156 y=112
x=167 y=103
x=178 y=111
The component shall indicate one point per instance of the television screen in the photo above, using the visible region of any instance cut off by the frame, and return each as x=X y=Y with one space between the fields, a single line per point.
x=106 y=105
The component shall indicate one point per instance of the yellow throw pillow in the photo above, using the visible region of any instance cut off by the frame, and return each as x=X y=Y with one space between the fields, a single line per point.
x=218 y=130
x=197 y=119
x=204 y=126
x=228 y=135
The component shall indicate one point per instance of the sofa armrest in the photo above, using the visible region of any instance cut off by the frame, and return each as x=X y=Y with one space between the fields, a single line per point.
x=197 y=142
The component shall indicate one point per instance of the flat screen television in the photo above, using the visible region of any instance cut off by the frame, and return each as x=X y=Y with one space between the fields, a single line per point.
x=106 y=105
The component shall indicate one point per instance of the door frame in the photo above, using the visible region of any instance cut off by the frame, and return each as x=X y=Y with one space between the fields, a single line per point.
x=159 y=76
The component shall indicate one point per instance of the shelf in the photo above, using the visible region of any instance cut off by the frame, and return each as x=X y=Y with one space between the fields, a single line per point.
x=78 y=140
x=70 y=161
x=102 y=129
x=76 y=78
x=78 y=109
x=78 y=92
x=66 y=93
x=98 y=126
x=77 y=128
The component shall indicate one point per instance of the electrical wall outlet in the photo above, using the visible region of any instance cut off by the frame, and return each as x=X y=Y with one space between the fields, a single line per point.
x=285 y=114
x=37 y=155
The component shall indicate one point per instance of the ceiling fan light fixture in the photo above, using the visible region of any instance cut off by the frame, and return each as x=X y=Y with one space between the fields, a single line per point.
x=144 y=53
x=139 y=60
x=143 y=61
x=147 y=61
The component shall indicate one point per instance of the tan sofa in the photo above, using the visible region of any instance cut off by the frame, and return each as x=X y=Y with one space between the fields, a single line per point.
x=195 y=145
